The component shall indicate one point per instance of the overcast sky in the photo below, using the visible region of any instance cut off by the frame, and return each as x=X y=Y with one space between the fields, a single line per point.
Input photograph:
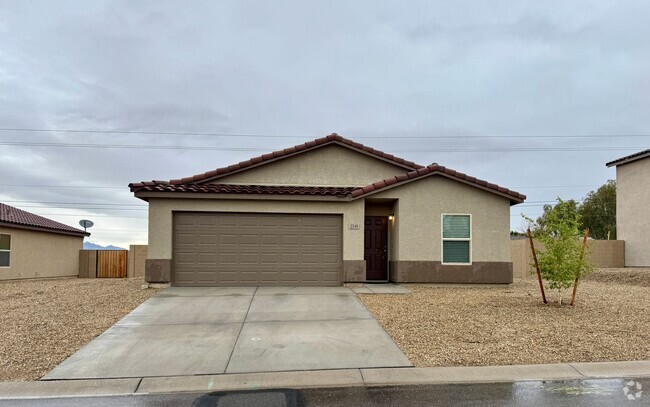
x=394 y=75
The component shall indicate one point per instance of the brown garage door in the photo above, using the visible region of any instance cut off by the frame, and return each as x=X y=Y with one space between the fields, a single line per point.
x=256 y=249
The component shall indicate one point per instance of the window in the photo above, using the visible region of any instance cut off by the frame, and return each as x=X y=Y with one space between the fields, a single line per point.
x=5 y=247
x=456 y=239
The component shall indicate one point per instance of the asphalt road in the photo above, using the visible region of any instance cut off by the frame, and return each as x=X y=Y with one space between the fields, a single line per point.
x=588 y=393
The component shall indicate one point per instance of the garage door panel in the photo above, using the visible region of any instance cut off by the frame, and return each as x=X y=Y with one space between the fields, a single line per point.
x=206 y=221
x=225 y=219
x=330 y=240
x=249 y=239
x=240 y=249
x=185 y=239
x=228 y=258
x=290 y=259
x=287 y=222
x=310 y=240
x=270 y=240
x=226 y=239
x=330 y=259
x=290 y=240
x=267 y=259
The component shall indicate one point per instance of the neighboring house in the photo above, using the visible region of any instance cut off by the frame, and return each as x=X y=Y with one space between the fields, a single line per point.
x=32 y=246
x=326 y=212
x=633 y=207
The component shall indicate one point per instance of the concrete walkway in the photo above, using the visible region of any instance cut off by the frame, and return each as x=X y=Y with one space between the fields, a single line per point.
x=325 y=378
x=206 y=331
x=379 y=288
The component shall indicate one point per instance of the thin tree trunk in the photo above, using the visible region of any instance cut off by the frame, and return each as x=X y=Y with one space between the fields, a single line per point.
x=539 y=274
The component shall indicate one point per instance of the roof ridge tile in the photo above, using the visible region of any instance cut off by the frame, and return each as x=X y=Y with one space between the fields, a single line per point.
x=278 y=154
x=430 y=170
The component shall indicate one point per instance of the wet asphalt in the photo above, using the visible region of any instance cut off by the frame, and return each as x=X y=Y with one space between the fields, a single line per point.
x=591 y=393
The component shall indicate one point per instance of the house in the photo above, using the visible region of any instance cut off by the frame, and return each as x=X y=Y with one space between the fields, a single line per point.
x=32 y=246
x=632 y=208
x=327 y=212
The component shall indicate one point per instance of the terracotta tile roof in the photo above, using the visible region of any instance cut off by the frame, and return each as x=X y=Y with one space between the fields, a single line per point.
x=352 y=192
x=163 y=186
x=14 y=216
x=629 y=158
x=432 y=169
x=198 y=183
x=288 y=152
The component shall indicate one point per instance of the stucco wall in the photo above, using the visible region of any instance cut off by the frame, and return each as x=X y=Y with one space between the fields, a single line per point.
x=418 y=219
x=136 y=260
x=326 y=166
x=160 y=219
x=602 y=253
x=633 y=211
x=41 y=254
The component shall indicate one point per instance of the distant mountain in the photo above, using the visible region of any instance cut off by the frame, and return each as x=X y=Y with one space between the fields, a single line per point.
x=93 y=246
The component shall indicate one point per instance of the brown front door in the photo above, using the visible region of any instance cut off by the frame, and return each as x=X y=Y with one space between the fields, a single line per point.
x=376 y=247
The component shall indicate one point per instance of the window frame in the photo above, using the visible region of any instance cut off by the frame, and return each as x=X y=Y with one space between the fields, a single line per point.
x=455 y=239
x=7 y=251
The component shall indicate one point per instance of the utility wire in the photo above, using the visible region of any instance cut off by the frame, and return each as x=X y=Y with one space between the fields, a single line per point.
x=233 y=149
x=124 y=187
x=78 y=203
x=215 y=134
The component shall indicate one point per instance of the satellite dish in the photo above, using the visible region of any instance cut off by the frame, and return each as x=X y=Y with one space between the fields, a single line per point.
x=85 y=223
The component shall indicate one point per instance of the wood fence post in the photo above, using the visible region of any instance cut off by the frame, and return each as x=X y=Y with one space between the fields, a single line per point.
x=539 y=274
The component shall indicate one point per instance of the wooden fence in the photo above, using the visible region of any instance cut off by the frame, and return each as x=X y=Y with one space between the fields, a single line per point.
x=103 y=263
x=111 y=263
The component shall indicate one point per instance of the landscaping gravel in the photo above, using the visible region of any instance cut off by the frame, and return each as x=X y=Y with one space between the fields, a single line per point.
x=45 y=321
x=473 y=326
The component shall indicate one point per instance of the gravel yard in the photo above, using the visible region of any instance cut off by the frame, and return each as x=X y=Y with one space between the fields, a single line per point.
x=45 y=321
x=473 y=326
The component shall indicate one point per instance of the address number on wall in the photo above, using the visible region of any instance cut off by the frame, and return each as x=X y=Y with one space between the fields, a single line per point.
x=353 y=226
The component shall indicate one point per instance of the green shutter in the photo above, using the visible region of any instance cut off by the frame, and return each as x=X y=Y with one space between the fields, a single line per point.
x=455 y=251
x=455 y=227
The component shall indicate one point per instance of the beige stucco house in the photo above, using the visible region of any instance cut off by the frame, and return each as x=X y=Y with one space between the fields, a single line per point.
x=32 y=246
x=633 y=207
x=326 y=212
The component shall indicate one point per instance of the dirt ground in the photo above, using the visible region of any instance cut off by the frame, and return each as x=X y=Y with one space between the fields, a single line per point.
x=473 y=326
x=44 y=321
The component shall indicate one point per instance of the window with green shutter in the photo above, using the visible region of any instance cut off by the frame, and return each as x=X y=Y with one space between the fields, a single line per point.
x=456 y=239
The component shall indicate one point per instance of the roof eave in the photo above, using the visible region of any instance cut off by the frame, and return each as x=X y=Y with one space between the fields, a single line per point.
x=514 y=200
x=146 y=195
x=627 y=160
x=43 y=229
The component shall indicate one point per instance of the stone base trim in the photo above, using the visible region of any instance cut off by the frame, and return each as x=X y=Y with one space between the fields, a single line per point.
x=158 y=271
x=354 y=271
x=479 y=272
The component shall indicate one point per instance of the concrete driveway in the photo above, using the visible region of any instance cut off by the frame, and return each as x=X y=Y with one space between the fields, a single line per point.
x=194 y=331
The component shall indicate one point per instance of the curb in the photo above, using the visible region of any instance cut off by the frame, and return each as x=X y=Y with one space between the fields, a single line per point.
x=322 y=379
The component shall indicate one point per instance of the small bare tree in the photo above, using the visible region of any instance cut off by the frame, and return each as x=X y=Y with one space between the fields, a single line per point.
x=562 y=262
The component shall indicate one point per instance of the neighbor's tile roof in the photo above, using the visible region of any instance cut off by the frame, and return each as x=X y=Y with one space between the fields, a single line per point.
x=431 y=170
x=18 y=217
x=163 y=186
x=300 y=148
x=630 y=158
